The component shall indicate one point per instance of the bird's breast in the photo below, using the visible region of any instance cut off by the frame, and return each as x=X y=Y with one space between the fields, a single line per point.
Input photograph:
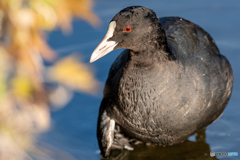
x=141 y=97
x=162 y=99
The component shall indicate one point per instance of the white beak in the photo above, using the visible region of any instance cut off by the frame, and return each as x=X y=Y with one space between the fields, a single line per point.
x=104 y=46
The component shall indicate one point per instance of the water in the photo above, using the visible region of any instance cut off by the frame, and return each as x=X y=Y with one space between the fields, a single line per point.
x=73 y=131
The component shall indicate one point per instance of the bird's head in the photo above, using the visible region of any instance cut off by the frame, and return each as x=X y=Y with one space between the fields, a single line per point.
x=133 y=28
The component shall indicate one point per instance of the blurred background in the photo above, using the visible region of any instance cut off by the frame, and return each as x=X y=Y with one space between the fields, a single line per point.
x=50 y=94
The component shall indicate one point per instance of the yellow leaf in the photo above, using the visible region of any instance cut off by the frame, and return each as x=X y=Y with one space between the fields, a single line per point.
x=22 y=86
x=74 y=75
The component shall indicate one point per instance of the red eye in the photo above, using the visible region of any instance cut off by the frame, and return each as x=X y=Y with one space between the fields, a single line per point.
x=128 y=29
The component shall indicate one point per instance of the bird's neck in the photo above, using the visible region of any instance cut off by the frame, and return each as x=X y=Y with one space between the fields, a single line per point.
x=151 y=55
x=154 y=48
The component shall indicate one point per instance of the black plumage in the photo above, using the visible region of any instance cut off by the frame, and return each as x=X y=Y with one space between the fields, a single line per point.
x=170 y=82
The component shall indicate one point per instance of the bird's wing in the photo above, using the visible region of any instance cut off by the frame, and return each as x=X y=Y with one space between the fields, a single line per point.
x=106 y=125
x=115 y=71
x=186 y=39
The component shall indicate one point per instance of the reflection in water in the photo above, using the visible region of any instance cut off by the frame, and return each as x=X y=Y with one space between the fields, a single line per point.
x=186 y=150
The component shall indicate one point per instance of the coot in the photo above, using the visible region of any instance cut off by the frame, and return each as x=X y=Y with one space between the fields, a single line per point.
x=170 y=82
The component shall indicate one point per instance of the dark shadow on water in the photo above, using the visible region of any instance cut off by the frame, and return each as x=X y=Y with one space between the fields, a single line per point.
x=198 y=150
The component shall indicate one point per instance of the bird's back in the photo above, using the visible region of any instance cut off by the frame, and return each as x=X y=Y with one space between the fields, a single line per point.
x=186 y=39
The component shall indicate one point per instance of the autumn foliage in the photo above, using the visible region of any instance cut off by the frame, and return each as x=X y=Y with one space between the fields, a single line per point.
x=24 y=97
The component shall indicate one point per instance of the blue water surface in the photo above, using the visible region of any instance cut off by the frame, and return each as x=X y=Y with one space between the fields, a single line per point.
x=73 y=131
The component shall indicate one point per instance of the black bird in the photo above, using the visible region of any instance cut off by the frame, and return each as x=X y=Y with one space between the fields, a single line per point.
x=170 y=82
